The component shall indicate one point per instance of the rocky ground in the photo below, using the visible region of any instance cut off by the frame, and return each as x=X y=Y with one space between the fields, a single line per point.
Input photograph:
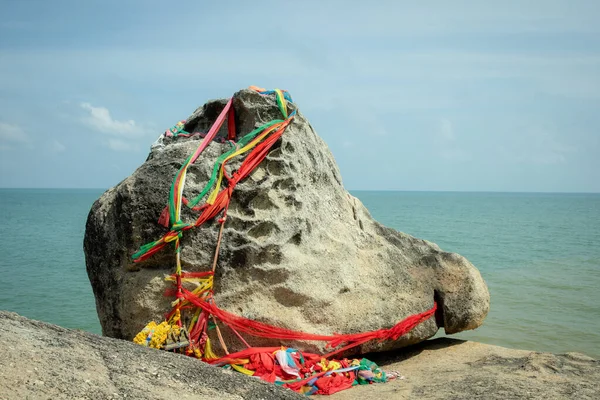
x=455 y=369
x=43 y=361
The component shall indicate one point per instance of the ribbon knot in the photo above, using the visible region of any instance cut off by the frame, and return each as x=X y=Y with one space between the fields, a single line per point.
x=179 y=226
x=172 y=236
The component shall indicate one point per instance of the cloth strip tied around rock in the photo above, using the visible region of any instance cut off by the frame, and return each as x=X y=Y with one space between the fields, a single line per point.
x=300 y=371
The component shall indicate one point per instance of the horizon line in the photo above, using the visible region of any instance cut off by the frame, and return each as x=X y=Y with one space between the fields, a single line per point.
x=349 y=190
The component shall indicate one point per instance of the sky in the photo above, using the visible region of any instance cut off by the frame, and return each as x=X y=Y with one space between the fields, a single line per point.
x=437 y=95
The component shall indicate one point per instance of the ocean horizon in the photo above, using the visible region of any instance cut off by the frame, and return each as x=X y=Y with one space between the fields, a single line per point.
x=537 y=251
x=349 y=190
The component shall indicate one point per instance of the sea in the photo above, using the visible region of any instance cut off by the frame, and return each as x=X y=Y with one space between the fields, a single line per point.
x=538 y=252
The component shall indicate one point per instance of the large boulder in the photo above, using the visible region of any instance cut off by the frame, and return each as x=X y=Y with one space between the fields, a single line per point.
x=298 y=250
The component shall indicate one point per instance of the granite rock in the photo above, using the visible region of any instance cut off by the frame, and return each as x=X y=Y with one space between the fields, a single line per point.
x=298 y=250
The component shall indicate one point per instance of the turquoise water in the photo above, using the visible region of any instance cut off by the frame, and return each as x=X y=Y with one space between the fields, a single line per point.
x=42 y=268
x=539 y=254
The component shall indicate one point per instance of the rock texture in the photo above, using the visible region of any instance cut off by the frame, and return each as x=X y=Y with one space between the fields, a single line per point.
x=43 y=361
x=452 y=369
x=298 y=250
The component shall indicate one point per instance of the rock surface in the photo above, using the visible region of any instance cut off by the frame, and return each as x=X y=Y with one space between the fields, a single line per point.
x=451 y=369
x=298 y=250
x=43 y=361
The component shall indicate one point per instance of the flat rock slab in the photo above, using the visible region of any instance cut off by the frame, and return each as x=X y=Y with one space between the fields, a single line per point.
x=455 y=369
x=43 y=361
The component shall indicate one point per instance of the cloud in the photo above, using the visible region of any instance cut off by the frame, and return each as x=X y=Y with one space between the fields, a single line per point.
x=533 y=143
x=99 y=118
x=396 y=19
x=121 y=145
x=123 y=135
x=543 y=148
x=446 y=142
x=10 y=135
x=57 y=147
x=446 y=129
